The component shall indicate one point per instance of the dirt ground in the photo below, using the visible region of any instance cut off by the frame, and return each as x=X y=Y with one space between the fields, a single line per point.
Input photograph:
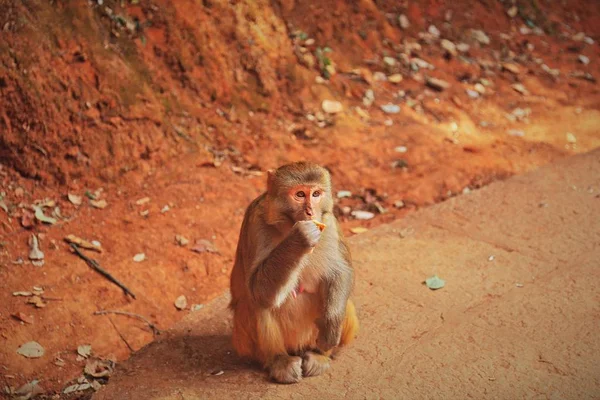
x=187 y=104
x=516 y=319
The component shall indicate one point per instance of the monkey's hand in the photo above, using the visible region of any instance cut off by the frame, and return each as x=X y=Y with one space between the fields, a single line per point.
x=330 y=333
x=307 y=233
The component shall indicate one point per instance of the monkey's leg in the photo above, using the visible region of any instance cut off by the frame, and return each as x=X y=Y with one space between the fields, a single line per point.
x=282 y=367
x=314 y=364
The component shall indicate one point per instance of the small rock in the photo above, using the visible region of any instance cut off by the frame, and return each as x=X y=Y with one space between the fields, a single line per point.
x=512 y=68
x=395 y=78
x=389 y=61
x=196 y=307
x=519 y=285
x=479 y=88
x=437 y=84
x=143 y=200
x=331 y=106
x=449 y=47
x=403 y=21
x=358 y=229
x=571 y=138
x=463 y=47
x=368 y=98
x=523 y=30
x=139 y=257
x=364 y=215
x=480 y=36
x=552 y=71
x=181 y=240
x=343 y=193
x=491 y=258
x=401 y=149
x=388 y=122
x=472 y=94
x=512 y=12
x=434 y=31
x=421 y=64
x=516 y=132
x=379 y=76
x=165 y=209
x=181 y=303
x=588 y=40
x=390 y=108
x=399 y=204
x=309 y=42
x=520 y=88
x=362 y=113
x=583 y=59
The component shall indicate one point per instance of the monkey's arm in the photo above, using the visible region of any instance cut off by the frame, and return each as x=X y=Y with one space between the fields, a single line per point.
x=335 y=292
x=273 y=278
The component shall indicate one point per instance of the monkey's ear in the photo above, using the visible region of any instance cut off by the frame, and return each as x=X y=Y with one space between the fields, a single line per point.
x=270 y=179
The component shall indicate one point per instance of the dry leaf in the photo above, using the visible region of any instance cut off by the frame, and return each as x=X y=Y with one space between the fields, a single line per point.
x=99 y=368
x=143 y=200
x=74 y=199
x=29 y=390
x=35 y=252
x=23 y=317
x=83 y=243
x=181 y=240
x=40 y=216
x=37 y=301
x=85 y=350
x=181 y=302
x=25 y=294
x=99 y=203
x=31 y=350
x=204 y=246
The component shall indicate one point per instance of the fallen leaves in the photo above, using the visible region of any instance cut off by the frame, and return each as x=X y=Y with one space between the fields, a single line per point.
x=40 y=216
x=35 y=254
x=31 y=350
x=101 y=204
x=204 y=246
x=435 y=282
x=23 y=317
x=83 y=243
x=84 y=350
x=75 y=199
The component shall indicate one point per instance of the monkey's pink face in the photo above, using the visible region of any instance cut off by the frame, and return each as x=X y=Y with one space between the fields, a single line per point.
x=305 y=201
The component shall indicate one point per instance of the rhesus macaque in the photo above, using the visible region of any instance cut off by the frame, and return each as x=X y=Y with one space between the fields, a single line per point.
x=292 y=277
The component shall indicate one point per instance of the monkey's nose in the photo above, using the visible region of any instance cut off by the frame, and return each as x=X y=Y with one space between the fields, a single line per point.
x=309 y=212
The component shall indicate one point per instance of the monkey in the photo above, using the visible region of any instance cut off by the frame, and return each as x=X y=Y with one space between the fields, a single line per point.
x=290 y=284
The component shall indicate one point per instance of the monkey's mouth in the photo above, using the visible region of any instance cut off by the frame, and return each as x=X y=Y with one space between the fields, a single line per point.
x=298 y=290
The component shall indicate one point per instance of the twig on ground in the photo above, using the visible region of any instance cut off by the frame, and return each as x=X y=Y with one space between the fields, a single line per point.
x=155 y=330
x=121 y=335
x=94 y=264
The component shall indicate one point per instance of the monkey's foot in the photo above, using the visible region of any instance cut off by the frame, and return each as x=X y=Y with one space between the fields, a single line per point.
x=286 y=369
x=314 y=364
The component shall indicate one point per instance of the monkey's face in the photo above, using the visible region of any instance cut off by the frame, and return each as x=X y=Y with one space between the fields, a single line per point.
x=305 y=202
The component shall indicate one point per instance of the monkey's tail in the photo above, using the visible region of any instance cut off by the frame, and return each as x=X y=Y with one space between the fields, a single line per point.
x=350 y=326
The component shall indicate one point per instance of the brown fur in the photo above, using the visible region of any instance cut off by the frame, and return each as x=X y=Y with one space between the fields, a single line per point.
x=271 y=257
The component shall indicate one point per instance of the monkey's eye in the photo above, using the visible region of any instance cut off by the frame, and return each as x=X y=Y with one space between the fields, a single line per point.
x=316 y=193
x=300 y=194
